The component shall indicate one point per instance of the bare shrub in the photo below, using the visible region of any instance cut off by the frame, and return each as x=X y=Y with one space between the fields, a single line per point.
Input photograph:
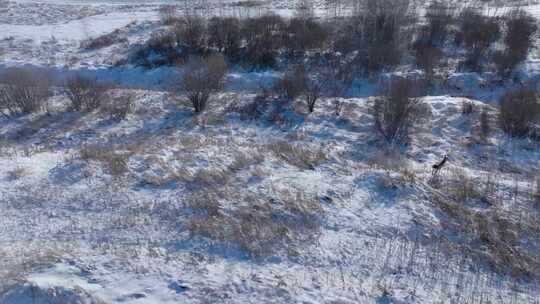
x=467 y=107
x=291 y=85
x=168 y=14
x=518 y=40
x=22 y=91
x=117 y=108
x=301 y=156
x=397 y=110
x=85 y=94
x=463 y=187
x=225 y=35
x=477 y=33
x=312 y=91
x=263 y=38
x=190 y=32
x=536 y=191
x=519 y=112
x=203 y=77
x=485 y=125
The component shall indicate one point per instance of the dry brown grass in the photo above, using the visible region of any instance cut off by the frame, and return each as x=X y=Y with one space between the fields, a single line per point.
x=299 y=155
x=490 y=236
x=17 y=173
x=115 y=162
x=461 y=186
x=260 y=227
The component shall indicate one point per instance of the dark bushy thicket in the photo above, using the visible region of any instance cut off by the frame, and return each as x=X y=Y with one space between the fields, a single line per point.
x=476 y=34
x=518 y=40
x=520 y=113
x=374 y=38
x=263 y=38
x=225 y=34
x=379 y=31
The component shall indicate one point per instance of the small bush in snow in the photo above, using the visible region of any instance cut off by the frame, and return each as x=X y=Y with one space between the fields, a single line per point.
x=203 y=77
x=397 y=110
x=519 y=113
x=85 y=94
x=467 y=107
x=292 y=84
x=22 y=91
x=485 y=126
x=117 y=108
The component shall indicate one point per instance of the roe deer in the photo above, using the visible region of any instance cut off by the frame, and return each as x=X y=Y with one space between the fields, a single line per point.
x=438 y=166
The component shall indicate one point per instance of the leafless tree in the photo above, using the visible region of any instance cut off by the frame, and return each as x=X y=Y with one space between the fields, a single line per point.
x=203 y=77
x=22 y=91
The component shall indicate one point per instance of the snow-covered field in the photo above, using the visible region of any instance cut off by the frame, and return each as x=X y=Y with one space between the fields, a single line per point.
x=167 y=207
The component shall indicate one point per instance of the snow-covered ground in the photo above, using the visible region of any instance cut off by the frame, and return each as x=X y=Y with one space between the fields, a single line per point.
x=166 y=207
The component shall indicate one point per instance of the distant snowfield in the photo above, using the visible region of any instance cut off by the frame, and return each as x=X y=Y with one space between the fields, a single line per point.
x=78 y=29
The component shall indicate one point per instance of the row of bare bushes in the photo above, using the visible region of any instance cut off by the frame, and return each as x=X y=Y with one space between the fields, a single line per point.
x=375 y=38
x=25 y=91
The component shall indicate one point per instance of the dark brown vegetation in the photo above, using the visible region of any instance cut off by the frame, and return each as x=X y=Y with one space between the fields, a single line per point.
x=85 y=94
x=22 y=91
x=397 y=110
x=203 y=76
x=520 y=28
x=519 y=113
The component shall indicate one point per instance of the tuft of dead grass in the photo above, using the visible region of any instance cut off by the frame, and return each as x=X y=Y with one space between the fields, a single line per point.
x=261 y=227
x=115 y=162
x=301 y=156
x=17 y=173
